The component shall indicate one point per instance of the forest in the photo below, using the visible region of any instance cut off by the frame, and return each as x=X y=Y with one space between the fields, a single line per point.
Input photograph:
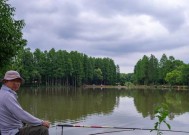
x=53 y=68
x=63 y=68
x=151 y=71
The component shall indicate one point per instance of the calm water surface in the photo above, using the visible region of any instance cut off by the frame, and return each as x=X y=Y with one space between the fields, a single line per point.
x=105 y=107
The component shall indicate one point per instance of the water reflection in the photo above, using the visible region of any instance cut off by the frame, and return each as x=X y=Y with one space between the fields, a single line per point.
x=146 y=100
x=66 y=103
x=105 y=106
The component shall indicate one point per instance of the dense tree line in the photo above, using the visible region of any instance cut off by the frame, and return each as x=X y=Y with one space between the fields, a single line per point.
x=167 y=70
x=64 y=68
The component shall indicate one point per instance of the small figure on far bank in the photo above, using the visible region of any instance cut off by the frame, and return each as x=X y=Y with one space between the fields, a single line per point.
x=12 y=115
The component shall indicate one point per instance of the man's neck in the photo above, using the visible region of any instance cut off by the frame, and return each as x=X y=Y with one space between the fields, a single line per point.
x=9 y=86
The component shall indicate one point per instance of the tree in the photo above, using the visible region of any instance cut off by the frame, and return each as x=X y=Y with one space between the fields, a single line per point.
x=27 y=64
x=137 y=72
x=88 y=70
x=162 y=68
x=144 y=69
x=77 y=75
x=173 y=77
x=39 y=62
x=118 y=74
x=185 y=73
x=126 y=78
x=98 y=76
x=153 y=69
x=11 y=40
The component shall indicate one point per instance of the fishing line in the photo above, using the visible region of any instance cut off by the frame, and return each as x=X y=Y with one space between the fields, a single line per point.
x=111 y=132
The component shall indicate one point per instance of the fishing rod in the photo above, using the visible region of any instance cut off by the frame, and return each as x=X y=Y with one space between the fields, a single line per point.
x=112 y=127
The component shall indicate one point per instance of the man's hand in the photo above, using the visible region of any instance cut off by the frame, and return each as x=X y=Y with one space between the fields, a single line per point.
x=46 y=124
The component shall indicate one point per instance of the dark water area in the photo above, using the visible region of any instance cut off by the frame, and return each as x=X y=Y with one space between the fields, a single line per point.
x=105 y=107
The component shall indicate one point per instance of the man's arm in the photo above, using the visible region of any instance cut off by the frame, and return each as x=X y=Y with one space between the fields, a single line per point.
x=14 y=107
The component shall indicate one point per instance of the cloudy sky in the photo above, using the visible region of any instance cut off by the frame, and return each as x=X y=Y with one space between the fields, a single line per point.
x=123 y=30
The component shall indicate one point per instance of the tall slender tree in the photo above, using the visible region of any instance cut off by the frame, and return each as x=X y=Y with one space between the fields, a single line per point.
x=162 y=69
x=153 y=69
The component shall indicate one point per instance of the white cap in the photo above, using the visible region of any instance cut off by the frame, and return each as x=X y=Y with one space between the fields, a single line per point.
x=11 y=75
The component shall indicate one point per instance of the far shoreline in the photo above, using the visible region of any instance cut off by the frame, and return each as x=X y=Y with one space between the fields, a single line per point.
x=163 y=87
x=104 y=86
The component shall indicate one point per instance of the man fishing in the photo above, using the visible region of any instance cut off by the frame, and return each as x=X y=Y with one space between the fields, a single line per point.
x=12 y=116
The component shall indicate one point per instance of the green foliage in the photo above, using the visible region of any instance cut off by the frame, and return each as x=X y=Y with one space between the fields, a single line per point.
x=173 y=77
x=185 y=74
x=98 y=76
x=129 y=84
x=168 y=70
x=126 y=78
x=153 y=70
x=11 y=40
x=161 y=112
x=63 y=68
x=88 y=68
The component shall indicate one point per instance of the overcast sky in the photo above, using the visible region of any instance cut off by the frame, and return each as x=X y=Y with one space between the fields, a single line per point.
x=123 y=30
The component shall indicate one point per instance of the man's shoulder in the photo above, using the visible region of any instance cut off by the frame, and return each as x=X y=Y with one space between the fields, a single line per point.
x=5 y=95
x=4 y=92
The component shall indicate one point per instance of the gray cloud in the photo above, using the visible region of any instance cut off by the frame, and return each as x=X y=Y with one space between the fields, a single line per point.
x=123 y=30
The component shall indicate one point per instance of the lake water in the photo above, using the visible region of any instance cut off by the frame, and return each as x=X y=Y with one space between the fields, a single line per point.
x=106 y=107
